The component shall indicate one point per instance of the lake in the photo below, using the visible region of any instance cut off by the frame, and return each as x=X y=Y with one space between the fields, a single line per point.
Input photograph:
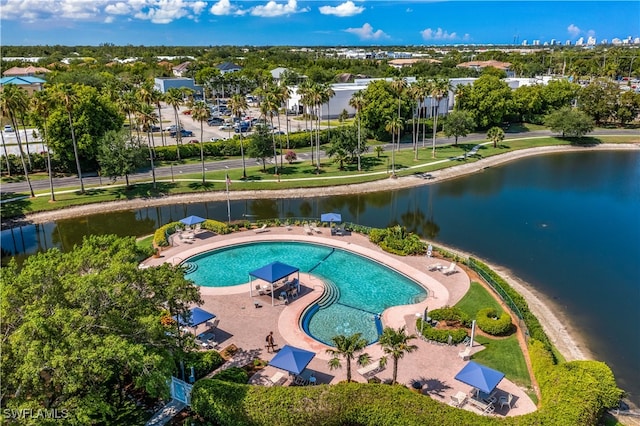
x=568 y=224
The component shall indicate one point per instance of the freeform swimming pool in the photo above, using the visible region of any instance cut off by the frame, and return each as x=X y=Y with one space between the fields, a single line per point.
x=358 y=288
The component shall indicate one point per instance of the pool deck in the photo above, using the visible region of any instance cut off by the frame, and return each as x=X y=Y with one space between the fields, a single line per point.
x=246 y=326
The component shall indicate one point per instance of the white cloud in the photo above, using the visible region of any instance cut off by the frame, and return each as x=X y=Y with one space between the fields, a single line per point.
x=573 y=30
x=439 y=34
x=273 y=9
x=119 y=8
x=367 y=33
x=345 y=9
x=221 y=8
x=591 y=33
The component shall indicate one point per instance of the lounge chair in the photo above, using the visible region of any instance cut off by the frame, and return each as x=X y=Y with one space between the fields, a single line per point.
x=262 y=229
x=278 y=379
x=314 y=228
x=466 y=354
x=340 y=230
x=300 y=381
x=435 y=267
x=308 y=229
x=450 y=270
x=261 y=291
x=370 y=370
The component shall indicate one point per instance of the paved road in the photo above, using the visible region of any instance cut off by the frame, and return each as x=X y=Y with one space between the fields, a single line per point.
x=166 y=172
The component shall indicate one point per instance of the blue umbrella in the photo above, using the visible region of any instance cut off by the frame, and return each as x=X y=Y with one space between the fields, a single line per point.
x=480 y=377
x=292 y=359
x=331 y=217
x=192 y=220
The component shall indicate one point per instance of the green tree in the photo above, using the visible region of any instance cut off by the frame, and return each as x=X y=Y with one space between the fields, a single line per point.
x=378 y=150
x=118 y=157
x=357 y=102
x=83 y=331
x=200 y=112
x=459 y=123
x=41 y=104
x=628 y=107
x=380 y=103
x=488 y=99
x=68 y=96
x=569 y=122
x=528 y=103
x=260 y=146
x=13 y=101
x=495 y=134
x=599 y=100
x=439 y=90
x=174 y=98
x=349 y=348
x=147 y=117
x=395 y=343
x=557 y=94
x=238 y=105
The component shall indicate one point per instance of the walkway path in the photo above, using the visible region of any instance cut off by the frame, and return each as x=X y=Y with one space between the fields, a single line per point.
x=166 y=413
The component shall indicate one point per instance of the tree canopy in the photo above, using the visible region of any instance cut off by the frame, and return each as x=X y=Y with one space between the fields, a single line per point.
x=85 y=331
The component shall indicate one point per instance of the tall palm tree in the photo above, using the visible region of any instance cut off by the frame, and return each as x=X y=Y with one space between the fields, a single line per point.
x=348 y=347
x=40 y=106
x=315 y=99
x=156 y=98
x=200 y=112
x=304 y=90
x=238 y=104
x=396 y=344
x=357 y=101
x=67 y=96
x=13 y=100
x=145 y=96
x=268 y=107
x=174 y=98
x=393 y=124
x=425 y=86
x=147 y=117
x=6 y=154
x=284 y=94
x=127 y=103
x=439 y=89
x=399 y=85
x=326 y=93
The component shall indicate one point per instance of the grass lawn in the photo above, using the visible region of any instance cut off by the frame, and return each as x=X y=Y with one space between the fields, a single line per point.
x=504 y=355
x=145 y=242
x=477 y=298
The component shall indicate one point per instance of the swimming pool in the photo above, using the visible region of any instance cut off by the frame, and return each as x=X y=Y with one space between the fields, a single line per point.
x=357 y=288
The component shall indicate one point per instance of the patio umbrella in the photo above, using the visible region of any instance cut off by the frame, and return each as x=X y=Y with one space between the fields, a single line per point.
x=192 y=220
x=292 y=359
x=480 y=377
x=331 y=217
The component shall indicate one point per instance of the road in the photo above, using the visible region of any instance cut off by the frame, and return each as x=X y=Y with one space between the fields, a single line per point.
x=167 y=172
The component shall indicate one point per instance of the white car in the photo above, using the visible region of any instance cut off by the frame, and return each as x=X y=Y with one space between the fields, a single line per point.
x=225 y=127
x=8 y=128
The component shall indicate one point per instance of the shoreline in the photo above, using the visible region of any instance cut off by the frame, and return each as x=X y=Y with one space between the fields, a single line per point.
x=565 y=336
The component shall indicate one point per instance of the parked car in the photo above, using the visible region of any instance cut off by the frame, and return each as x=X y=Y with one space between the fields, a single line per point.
x=171 y=128
x=225 y=127
x=8 y=128
x=215 y=121
x=183 y=133
x=243 y=128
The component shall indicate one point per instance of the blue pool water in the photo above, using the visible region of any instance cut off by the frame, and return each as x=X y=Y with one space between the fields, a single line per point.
x=362 y=288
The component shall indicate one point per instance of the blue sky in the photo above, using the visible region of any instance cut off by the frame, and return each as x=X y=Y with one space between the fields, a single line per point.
x=318 y=22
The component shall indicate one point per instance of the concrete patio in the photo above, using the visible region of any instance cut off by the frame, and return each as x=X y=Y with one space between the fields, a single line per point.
x=246 y=326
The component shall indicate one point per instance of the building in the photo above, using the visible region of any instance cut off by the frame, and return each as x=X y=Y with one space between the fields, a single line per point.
x=180 y=70
x=27 y=83
x=227 y=67
x=403 y=63
x=163 y=84
x=480 y=65
x=24 y=72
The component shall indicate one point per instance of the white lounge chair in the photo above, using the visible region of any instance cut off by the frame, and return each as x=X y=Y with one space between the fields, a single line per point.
x=466 y=354
x=450 y=270
x=262 y=229
x=435 y=267
x=308 y=229
x=278 y=379
x=370 y=370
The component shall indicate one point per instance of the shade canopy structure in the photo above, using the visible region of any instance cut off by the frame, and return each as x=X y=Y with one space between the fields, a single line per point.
x=272 y=273
x=480 y=377
x=198 y=316
x=192 y=220
x=292 y=359
x=331 y=217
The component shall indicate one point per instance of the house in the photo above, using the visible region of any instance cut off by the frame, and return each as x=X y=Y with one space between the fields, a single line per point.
x=163 y=84
x=23 y=72
x=402 y=63
x=180 y=70
x=29 y=84
x=227 y=67
x=480 y=65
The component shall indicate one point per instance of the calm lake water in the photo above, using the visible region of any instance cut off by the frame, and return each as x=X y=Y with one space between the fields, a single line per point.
x=568 y=224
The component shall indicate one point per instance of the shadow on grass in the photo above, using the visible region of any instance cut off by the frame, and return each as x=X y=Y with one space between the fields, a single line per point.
x=199 y=186
x=15 y=209
x=145 y=190
x=583 y=141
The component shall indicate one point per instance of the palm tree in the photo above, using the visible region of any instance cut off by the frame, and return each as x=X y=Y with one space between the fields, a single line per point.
x=347 y=347
x=238 y=104
x=40 y=105
x=268 y=105
x=284 y=94
x=439 y=89
x=391 y=125
x=200 y=112
x=495 y=134
x=147 y=117
x=13 y=100
x=326 y=93
x=6 y=154
x=396 y=343
x=304 y=90
x=156 y=98
x=357 y=101
x=315 y=99
x=174 y=98
x=128 y=105
x=66 y=94
x=398 y=85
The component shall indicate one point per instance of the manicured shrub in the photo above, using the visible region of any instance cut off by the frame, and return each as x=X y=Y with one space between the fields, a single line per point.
x=451 y=315
x=203 y=362
x=161 y=236
x=493 y=323
x=440 y=335
x=234 y=375
x=215 y=226
x=397 y=240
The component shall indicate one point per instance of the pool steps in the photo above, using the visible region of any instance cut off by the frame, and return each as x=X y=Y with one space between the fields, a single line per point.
x=189 y=267
x=330 y=296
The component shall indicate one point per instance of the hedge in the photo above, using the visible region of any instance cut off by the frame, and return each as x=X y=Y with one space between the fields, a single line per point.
x=160 y=237
x=203 y=362
x=440 y=335
x=397 y=240
x=530 y=320
x=233 y=375
x=490 y=322
x=451 y=315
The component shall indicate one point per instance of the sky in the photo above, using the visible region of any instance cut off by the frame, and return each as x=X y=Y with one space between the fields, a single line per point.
x=311 y=23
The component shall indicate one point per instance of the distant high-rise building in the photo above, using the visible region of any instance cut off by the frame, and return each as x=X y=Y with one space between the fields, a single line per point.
x=580 y=41
x=616 y=41
x=603 y=41
x=567 y=43
x=524 y=42
x=553 y=41
x=536 y=42
x=591 y=41
x=636 y=40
